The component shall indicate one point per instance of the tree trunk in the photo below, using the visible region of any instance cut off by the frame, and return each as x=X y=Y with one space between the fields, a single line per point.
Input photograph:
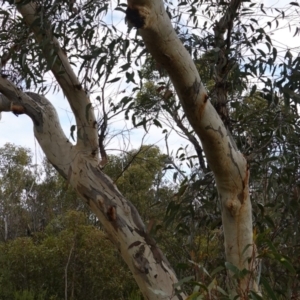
x=228 y=164
x=5 y=228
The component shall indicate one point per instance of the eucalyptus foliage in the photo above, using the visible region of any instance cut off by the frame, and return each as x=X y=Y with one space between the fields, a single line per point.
x=260 y=78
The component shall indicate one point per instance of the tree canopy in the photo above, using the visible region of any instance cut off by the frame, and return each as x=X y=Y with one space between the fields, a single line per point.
x=211 y=72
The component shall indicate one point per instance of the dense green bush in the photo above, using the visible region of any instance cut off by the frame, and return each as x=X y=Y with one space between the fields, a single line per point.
x=78 y=262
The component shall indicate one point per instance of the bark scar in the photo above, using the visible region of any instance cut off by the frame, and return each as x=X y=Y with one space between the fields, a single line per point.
x=112 y=213
x=135 y=18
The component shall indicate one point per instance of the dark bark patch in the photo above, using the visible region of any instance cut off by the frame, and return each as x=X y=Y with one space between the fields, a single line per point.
x=243 y=194
x=17 y=109
x=205 y=98
x=196 y=87
x=136 y=217
x=112 y=190
x=78 y=86
x=94 y=152
x=60 y=171
x=107 y=207
x=112 y=213
x=36 y=114
x=217 y=130
x=87 y=199
x=107 y=181
x=157 y=254
x=241 y=197
x=130 y=228
x=134 y=244
x=69 y=174
x=134 y=17
x=220 y=131
x=141 y=261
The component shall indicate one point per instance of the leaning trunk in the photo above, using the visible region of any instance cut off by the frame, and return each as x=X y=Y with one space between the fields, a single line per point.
x=228 y=164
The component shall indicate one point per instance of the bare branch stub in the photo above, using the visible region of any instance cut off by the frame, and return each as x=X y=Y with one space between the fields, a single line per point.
x=134 y=17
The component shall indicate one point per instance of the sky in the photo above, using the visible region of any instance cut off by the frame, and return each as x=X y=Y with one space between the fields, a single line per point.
x=19 y=130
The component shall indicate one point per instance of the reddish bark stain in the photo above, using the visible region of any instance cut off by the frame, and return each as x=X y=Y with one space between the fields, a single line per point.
x=17 y=109
x=111 y=213
x=243 y=194
x=202 y=106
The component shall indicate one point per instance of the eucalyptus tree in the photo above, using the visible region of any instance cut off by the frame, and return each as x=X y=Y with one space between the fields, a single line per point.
x=76 y=43
x=16 y=180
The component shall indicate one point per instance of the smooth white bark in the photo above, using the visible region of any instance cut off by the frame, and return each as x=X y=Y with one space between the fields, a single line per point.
x=228 y=164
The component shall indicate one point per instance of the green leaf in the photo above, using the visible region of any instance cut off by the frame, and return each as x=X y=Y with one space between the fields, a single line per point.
x=23 y=60
x=72 y=129
x=217 y=270
x=268 y=39
x=157 y=123
x=255 y=296
x=114 y=80
x=125 y=67
x=130 y=77
x=286 y=263
x=182 y=281
x=268 y=289
x=182 y=189
x=229 y=266
x=194 y=296
x=261 y=52
x=253 y=90
x=121 y=9
x=262 y=9
x=274 y=53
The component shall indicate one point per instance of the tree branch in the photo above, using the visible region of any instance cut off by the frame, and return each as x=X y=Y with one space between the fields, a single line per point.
x=227 y=163
x=64 y=74
x=223 y=65
x=47 y=129
x=191 y=138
